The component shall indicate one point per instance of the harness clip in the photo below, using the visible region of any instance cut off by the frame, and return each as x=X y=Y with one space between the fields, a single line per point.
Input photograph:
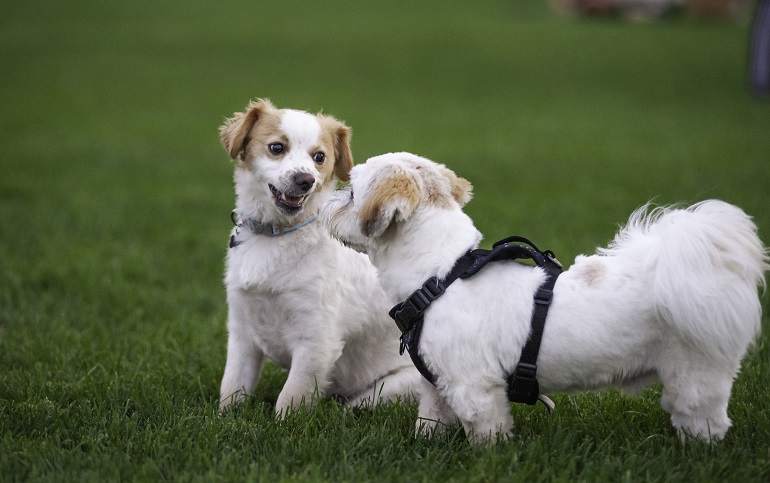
x=552 y=257
x=522 y=384
x=412 y=308
x=543 y=296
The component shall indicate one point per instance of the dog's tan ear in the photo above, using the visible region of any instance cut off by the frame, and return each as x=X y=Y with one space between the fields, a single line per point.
x=462 y=189
x=234 y=133
x=343 y=157
x=392 y=200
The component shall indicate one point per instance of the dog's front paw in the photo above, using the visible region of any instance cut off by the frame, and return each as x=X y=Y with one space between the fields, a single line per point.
x=428 y=427
x=288 y=402
x=230 y=399
x=486 y=438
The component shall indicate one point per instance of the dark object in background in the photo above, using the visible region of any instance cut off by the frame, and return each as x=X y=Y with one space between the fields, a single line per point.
x=759 y=51
x=639 y=10
x=650 y=10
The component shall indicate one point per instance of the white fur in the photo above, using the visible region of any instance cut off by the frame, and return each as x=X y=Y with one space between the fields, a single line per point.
x=672 y=299
x=301 y=299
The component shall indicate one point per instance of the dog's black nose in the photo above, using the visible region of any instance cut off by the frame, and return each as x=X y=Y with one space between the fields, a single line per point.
x=304 y=181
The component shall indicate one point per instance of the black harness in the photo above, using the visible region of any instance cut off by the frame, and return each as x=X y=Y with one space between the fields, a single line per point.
x=409 y=314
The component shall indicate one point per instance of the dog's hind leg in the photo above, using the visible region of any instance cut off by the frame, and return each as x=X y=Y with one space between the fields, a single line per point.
x=434 y=414
x=696 y=394
x=401 y=384
x=634 y=386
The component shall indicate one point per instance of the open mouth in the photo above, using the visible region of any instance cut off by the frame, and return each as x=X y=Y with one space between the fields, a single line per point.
x=287 y=202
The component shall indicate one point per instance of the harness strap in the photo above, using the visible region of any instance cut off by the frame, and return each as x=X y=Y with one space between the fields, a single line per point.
x=409 y=314
x=522 y=383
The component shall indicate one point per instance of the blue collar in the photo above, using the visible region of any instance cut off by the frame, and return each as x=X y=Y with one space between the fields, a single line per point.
x=272 y=228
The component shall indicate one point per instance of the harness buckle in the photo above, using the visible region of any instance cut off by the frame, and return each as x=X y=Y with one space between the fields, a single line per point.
x=552 y=257
x=543 y=296
x=405 y=316
x=522 y=384
x=526 y=371
x=433 y=288
x=412 y=308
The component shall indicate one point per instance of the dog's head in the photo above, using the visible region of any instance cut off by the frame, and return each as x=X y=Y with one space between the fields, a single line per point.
x=388 y=190
x=285 y=156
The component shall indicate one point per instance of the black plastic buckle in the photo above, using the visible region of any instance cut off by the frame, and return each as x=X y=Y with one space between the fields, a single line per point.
x=526 y=371
x=543 y=296
x=433 y=288
x=552 y=258
x=413 y=307
x=404 y=314
x=522 y=385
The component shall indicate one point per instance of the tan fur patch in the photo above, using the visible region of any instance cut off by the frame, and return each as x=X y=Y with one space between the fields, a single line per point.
x=592 y=272
x=337 y=135
x=435 y=195
x=235 y=133
x=393 y=198
x=462 y=190
x=441 y=190
x=267 y=130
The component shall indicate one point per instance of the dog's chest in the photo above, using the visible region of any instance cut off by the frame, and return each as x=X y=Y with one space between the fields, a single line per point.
x=269 y=321
x=265 y=264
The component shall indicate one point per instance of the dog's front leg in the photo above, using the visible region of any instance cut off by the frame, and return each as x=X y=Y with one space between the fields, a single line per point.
x=434 y=415
x=242 y=370
x=308 y=377
x=484 y=410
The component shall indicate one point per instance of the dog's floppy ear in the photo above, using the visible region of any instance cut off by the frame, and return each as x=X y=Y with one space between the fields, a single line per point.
x=343 y=157
x=391 y=200
x=234 y=133
x=462 y=189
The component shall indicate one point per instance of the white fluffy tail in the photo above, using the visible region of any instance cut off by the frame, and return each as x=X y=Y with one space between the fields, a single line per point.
x=705 y=264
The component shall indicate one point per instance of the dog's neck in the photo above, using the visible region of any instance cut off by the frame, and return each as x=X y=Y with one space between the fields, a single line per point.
x=426 y=245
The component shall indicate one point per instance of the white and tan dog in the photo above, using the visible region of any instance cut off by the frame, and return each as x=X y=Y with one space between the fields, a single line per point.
x=672 y=299
x=295 y=295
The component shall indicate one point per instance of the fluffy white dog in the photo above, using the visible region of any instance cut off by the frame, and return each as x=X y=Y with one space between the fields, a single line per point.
x=672 y=299
x=294 y=294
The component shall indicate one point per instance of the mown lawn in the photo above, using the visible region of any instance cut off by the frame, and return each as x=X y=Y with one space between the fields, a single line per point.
x=115 y=199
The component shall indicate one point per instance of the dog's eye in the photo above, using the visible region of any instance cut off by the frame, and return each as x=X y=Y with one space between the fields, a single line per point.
x=319 y=157
x=276 y=148
x=351 y=195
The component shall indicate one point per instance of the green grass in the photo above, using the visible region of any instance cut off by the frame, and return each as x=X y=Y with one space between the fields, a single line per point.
x=115 y=198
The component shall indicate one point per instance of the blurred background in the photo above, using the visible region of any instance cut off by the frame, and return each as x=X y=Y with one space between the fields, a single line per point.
x=565 y=115
x=552 y=109
x=651 y=10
